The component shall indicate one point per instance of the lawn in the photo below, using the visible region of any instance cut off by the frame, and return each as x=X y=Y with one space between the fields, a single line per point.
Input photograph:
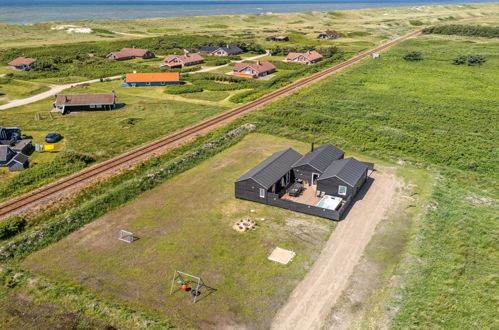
x=148 y=114
x=198 y=240
x=19 y=89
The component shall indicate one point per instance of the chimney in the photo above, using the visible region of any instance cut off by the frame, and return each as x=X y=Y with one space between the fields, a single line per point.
x=258 y=63
x=312 y=147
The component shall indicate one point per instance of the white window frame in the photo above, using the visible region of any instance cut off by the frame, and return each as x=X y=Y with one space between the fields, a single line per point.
x=163 y=83
x=262 y=193
x=148 y=83
x=340 y=189
x=312 y=179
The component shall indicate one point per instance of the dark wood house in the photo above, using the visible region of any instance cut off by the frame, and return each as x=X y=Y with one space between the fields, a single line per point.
x=329 y=34
x=273 y=175
x=277 y=38
x=84 y=102
x=343 y=178
x=311 y=166
x=220 y=51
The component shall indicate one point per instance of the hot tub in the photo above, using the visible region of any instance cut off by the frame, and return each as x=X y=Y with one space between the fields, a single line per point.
x=329 y=202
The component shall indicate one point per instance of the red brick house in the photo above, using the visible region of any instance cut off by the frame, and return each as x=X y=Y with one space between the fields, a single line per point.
x=22 y=63
x=309 y=57
x=254 y=70
x=130 y=53
x=179 y=61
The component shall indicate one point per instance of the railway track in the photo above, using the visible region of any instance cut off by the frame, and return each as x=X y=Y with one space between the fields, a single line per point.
x=44 y=193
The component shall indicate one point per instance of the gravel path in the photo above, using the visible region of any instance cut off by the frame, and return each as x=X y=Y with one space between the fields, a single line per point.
x=314 y=297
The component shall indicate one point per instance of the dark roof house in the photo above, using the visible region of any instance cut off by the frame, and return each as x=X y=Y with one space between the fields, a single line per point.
x=6 y=154
x=320 y=183
x=277 y=38
x=22 y=63
x=81 y=102
x=268 y=172
x=9 y=133
x=130 y=53
x=328 y=34
x=254 y=70
x=314 y=163
x=19 y=162
x=221 y=51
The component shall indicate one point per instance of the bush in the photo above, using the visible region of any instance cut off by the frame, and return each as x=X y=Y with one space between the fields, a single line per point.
x=471 y=60
x=413 y=56
x=182 y=89
x=11 y=226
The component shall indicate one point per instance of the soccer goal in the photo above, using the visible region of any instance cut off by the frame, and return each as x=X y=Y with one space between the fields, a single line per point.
x=126 y=236
x=184 y=280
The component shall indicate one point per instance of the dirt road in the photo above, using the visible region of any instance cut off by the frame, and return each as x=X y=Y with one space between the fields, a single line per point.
x=314 y=297
x=54 y=89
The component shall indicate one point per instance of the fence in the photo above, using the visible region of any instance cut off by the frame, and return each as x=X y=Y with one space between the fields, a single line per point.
x=274 y=200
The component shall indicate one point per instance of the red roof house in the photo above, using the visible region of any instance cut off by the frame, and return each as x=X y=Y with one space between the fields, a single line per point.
x=253 y=70
x=130 y=53
x=309 y=57
x=22 y=63
x=179 y=61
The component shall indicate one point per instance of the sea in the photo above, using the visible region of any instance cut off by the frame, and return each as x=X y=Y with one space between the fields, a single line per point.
x=33 y=11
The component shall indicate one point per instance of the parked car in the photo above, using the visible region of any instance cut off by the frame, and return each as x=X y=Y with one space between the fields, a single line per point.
x=53 y=137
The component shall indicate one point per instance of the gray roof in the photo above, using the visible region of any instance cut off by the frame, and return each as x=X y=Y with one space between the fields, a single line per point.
x=20 y=158
x=349 y=170
x=230 y=49
x=321 y=157
x=4 y=153
x=273 y=168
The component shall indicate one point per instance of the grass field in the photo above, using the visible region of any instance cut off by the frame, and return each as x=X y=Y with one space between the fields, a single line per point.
x=199 y=240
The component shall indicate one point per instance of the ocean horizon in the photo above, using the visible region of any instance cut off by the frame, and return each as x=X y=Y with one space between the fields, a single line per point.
x=34 y=11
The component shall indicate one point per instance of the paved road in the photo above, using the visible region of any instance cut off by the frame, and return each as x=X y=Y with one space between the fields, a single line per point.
x=54 y=89
x=312 y=300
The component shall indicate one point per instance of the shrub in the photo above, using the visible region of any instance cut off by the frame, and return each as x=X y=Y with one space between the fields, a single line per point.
x=471 y=60
x=11 y=226
x=413 y=56
x=415 y=23
x=464 y=30
x=182 y=89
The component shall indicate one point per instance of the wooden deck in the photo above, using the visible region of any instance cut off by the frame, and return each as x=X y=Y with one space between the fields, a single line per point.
x=307 y=196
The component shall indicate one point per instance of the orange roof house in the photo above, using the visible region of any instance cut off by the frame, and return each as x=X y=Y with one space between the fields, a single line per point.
x=151 y=79
x=22 y=63
x=309 y=57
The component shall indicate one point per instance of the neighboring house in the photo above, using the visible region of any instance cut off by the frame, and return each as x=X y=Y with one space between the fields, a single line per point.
x=14 y=161
x=11 y=137
x=179 y=61
x=220 y=51
x=151 y=79
x=274 y=174
x=309 y=57
x=19 y=162
x=313 y=164
x=130 y=53
x=343 y=178
x=277 y=38
x=320 y=183
x=329 y=34
x=82 y=102
x=254 y=70
x=22 y=63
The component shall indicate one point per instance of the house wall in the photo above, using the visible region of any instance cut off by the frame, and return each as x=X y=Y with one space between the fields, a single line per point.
x=304 y=172
x=15 y=166
x=250 y=190
x=330 y=186
x=156 y=83
x=10 y=155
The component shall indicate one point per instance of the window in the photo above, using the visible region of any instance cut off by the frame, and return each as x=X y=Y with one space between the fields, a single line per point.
x=262 y=193
x=342 y=190
x=162 y=83
x=148 y=83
